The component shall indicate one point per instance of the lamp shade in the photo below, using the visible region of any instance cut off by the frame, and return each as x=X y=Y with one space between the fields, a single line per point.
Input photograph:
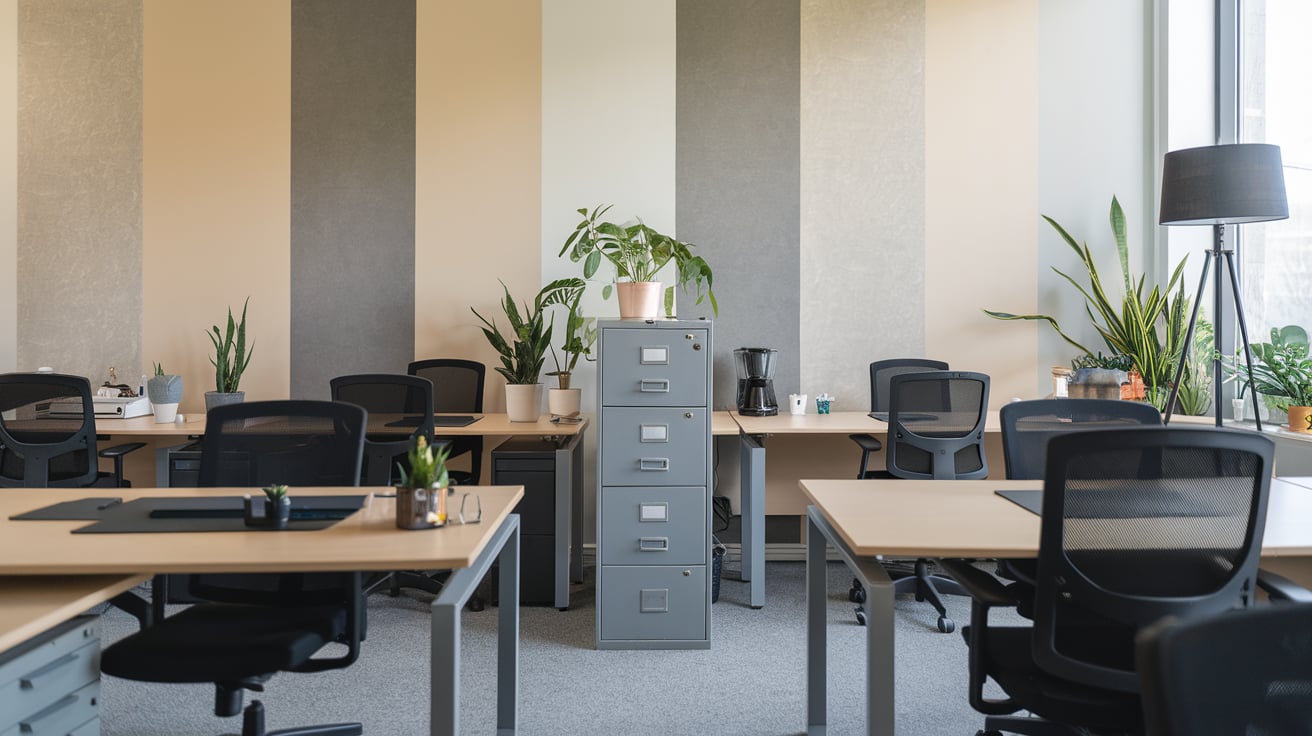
x=1221 y=185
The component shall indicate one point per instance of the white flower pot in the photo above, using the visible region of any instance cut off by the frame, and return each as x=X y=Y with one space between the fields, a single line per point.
x=639 y=299
x=564 y=402
x=165 y=413
x=524 y=402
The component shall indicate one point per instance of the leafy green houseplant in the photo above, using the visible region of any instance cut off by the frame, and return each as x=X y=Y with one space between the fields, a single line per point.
x=524 y=348
x=421 y=495
x=580 y=336
x=1282 y=373
x=1148 y=327
x=638 y=253
x=231 y=356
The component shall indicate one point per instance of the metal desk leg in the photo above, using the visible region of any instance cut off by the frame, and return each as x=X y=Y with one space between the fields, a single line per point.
x=444 y=703
x=576 y=530
x=752 y=492
x=567 y=505
x=880 y=716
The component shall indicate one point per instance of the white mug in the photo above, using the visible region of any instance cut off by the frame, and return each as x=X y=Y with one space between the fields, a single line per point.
x=797 y=403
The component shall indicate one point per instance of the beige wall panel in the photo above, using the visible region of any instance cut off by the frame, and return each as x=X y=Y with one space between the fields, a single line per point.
x=8 y=185
x=981 y=187
x=478 y=163
x=217 y=187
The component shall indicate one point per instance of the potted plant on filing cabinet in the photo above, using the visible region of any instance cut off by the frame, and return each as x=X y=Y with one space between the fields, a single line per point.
x=580 y=335
x=638 y=253
x=231 y=356
x=525 y=349
x=165 y=392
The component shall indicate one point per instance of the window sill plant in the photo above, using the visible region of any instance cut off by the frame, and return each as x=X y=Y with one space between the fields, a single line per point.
x=638 y=253
x=1282 y=373
x=231 y=356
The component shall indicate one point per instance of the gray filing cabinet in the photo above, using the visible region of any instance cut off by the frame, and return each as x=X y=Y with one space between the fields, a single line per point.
x=51 y=684
x=654 y=475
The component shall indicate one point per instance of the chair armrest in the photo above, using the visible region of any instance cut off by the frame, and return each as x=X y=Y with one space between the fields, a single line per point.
x=118 y=451
x=981 y=586
x=1280 y=588
x=866 y=442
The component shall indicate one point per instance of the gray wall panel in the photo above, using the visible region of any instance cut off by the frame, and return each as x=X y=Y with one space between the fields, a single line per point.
x=352 y=190
x=79 y=187
x=737 y=174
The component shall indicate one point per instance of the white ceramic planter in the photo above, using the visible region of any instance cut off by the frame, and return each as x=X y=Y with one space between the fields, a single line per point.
x=564 y=402
x=523 y=402
x=165 y=413
x=639 y=299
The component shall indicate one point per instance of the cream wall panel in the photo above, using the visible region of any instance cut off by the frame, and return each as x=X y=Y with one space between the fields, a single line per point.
x=478 y=171
x=79 y=196
x=863 y=175
x=8 y=186
x=217 y=187
x=981 y=188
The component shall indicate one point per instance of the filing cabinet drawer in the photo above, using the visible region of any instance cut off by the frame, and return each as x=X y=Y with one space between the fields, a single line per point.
x=60 y=718
x=653 y=603
x=656 y=446
x=653 y=526
x=38 y=673
x=644 y=367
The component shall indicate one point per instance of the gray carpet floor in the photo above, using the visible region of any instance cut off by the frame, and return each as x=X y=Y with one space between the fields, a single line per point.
x=751 y=681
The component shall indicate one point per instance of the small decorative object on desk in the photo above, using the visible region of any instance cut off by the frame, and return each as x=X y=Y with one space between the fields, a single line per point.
x=797 y=403
x=822 y=403
x=271 y=512
x=421 y=497
x=165 y=391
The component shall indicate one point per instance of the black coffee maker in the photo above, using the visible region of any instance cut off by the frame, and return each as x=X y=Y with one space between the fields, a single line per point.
x=756 y=381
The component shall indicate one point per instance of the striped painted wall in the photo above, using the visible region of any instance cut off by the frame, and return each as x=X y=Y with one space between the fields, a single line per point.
x=863 y=176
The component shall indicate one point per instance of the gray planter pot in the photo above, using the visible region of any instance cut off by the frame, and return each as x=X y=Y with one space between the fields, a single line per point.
x=164 y=389
x=214 y=398
x=1096 y=383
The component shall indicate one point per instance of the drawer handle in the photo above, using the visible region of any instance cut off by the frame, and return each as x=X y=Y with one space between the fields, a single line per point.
x=654 y=385
x=653 y=544
x=33 y=679
x=660 y=464
x=33 y=724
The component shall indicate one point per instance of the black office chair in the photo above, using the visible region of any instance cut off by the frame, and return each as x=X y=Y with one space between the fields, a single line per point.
x=1027 y=427
x=881 y=376
x=1245 y=672
x=935 y=431
x=458 y=389
x=388 y=393
x=51 y=440
x=261 y=624
x=1137 y=524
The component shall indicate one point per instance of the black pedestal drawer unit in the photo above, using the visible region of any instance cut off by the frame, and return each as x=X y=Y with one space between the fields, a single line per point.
x=531 y=462
x=654 y=476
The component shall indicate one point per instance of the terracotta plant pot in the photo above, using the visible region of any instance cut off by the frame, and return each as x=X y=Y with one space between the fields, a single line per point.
x=523 y=402
x=639 y=299
x=1300 y=418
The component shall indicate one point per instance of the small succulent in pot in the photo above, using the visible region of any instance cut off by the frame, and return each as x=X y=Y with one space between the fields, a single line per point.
x=275 y=493
x=427 y=466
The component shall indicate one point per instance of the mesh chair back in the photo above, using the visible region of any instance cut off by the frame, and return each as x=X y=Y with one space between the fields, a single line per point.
x=297 y=443
x=457 y=387
x=1140 y=524
x=1027 y=426
x=1247 y=672
x=457 y=384
x=882 y=372
x=936 y=425
x=409 y=398
x=47 y=431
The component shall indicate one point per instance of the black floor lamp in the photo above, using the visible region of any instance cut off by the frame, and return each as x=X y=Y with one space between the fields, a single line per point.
x=1219 y=186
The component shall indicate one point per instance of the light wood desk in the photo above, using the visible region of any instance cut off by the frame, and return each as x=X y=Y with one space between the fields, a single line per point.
x=31 y=605
x=753 y=433
x=959 y=518
x=367 y=540
x=568 y=440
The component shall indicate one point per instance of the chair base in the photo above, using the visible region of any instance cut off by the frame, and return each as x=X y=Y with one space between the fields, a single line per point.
x=923 y=585
x=252 y=724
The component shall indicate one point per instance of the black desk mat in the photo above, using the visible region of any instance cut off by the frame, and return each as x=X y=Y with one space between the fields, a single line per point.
x=215 y=514
x=83 y=509
x=1164 y=503
x=438 y=421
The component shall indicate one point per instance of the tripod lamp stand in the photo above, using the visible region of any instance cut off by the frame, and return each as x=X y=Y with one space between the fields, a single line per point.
x=1219 y=186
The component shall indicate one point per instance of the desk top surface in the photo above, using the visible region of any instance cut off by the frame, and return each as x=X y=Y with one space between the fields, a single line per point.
x=839 y=422
x=33 y=604
x=489 y=425
x=366 y=540
x=965 y=518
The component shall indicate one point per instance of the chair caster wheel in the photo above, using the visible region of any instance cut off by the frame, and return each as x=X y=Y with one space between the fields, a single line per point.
x=857 y=595
x=860 y=616
x=946 y=625
x=476 y=604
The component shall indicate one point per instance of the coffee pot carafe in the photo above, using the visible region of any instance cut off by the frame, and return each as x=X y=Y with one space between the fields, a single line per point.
x=755 y=368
